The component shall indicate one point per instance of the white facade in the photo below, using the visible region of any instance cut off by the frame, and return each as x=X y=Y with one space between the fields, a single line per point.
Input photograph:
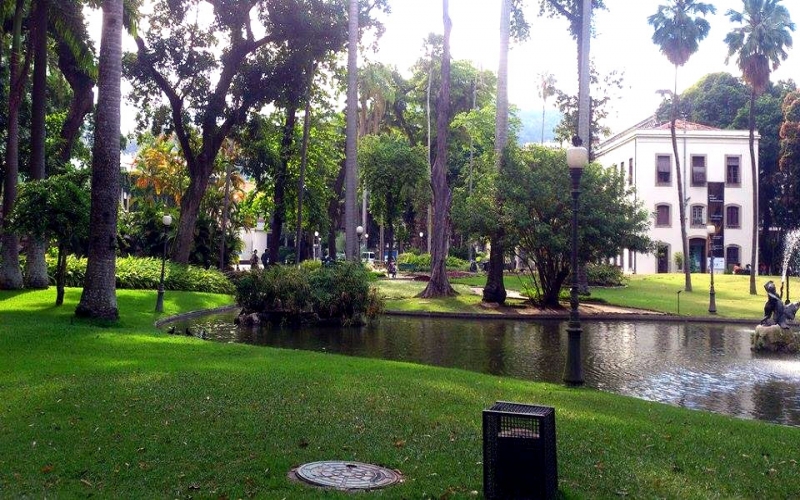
x=644 y=153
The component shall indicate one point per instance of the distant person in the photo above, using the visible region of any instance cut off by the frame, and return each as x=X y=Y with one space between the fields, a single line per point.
x=264 y=259
x=392 y=269
x=254 y=260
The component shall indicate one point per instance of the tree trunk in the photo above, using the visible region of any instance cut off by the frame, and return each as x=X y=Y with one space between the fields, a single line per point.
x=351 y=145
x=681 y=196
x=335 y=212
x=99 y=299
x=61 y=273
x=10 y=273
x=754 y=173
x=439 y=285
x=35 y=265
x=495 y=290
x=301 y=182
x=280 y=184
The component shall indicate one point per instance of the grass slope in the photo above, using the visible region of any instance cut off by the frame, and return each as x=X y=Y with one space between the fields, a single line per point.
x=125 y=411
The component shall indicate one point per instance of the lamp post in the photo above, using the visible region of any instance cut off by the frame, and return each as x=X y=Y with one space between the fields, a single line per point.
x=359 y=232
x=421 y=235
x=316 y=245
x=577 y=159
x=167 y=221
x=712 y=303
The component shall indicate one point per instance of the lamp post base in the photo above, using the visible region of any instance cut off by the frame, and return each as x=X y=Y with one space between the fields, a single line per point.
x=160 y=300
x=574 y=367
x=712 y=303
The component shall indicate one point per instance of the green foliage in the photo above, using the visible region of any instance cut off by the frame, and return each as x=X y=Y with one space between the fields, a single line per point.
x=678 y=259
x=537 y=215
x=423 y=261
x=144 y=273
x=54 y=208
x=339 y=293
x=604 y=275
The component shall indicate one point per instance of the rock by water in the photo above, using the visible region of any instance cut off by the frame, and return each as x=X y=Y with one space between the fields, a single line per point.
x=775 y=339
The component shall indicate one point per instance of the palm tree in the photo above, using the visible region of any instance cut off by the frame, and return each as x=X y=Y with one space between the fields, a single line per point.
x=495 y=290
x=678 y=32
x=351 y=145
x=759 y=43
x=35 y=265
x=99 y=298
x=10 y=274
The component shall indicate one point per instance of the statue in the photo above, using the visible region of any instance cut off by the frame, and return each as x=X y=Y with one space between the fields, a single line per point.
x=781 y=314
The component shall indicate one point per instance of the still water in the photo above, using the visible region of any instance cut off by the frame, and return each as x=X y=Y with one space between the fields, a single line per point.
x=701 y=366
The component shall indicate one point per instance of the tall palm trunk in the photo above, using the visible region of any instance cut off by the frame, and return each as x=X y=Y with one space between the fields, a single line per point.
x=301 y=182
x=99 y=299
x=495 y=290
x=351 y=145
x=10 y=274
x=439 y=285
x=751 y=120
x=35 y=265
x=681 y=204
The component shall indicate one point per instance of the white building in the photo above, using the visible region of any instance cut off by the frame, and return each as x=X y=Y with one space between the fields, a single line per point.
x=718 y=185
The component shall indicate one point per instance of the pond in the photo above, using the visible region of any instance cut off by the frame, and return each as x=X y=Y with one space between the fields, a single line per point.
x=700 y=366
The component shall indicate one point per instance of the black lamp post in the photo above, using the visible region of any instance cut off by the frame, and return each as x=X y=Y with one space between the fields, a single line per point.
x=316 y=244
x=577 y=159
x=167 y=221
x=712 y=302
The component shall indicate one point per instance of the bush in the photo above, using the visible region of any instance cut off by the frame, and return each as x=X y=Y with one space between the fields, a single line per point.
x=143 y=273
x=423 y=261
x=339 y=293
x=604 y=275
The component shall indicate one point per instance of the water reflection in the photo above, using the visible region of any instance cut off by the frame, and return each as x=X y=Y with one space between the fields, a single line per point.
x=708 y=367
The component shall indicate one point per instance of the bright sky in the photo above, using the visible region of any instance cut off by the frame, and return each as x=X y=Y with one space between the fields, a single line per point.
x=622 y=42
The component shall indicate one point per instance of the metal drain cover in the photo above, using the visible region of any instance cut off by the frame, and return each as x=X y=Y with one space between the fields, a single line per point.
x=347 y=475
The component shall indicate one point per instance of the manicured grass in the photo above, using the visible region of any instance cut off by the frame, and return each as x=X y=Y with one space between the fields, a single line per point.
x=659 y=292
x=126 y=411
x=400 y=296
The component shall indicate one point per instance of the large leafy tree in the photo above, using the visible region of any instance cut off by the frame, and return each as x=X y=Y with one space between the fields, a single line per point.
x=759 y=44
x=536 y=215
x=56 y=208
x=266 y=42
x=790 y=155
x=678 y=31
x=392 y=170
x=99 y=298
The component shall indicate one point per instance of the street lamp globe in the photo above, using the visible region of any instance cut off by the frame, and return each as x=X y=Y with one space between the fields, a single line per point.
x=359 y=231
x=167 y=220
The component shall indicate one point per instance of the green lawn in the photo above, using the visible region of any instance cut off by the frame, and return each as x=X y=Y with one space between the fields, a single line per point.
x=659 y=292
x=125 y=411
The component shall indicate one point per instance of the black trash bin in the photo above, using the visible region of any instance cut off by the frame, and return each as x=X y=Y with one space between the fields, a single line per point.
x=519 y=452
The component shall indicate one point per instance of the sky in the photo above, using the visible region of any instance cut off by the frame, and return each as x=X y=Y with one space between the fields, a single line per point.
x=622 y=42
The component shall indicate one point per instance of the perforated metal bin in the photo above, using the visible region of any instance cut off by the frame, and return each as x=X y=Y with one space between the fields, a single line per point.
x=519 y=452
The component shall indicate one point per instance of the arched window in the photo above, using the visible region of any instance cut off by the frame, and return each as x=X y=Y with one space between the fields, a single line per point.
x=698 y=216
x=663 y=215
x=733 y=217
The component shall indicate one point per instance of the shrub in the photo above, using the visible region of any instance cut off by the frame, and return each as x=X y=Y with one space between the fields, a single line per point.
x=604 y=275
x=143 y=273
x=339 y=293
x=423 y=261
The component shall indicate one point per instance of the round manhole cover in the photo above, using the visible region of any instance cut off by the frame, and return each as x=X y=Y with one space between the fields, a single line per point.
x=347 y=475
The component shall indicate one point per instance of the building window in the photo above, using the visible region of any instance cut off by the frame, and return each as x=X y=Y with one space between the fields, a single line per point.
x=733 y=256
x=732 y=217
x=663 y=170
x=663 y=216
x=733 y=174
x=698 y=216
x=698 y=170
x=630 y=172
